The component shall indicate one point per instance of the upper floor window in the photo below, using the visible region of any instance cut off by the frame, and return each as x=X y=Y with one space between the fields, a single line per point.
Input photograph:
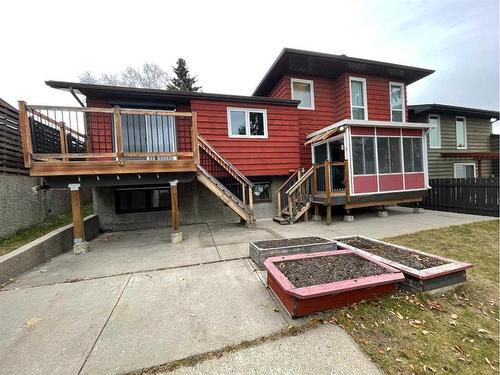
x=303 y=90
x=412 y=155
x=358 y=98
x=435 y=133
x=397 y=102
x=461 y=132
x=247 y=123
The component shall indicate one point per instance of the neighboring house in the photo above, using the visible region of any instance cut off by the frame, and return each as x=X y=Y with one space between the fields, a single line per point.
x=462 y=144
x=319 y=130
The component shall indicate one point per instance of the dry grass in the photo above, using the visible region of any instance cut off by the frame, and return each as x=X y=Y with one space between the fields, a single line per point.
x=23 y=236
x=456 y=332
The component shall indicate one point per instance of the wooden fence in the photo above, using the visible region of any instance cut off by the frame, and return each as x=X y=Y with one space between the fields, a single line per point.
x=11 y=149
x=479 y=196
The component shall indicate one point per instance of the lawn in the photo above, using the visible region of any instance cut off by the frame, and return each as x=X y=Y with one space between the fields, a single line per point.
x=24 y=236
x=455 y=332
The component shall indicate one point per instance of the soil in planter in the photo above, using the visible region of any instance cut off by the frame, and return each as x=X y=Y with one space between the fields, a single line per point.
x=407 y=258
x=273 y=244
x=328 y=269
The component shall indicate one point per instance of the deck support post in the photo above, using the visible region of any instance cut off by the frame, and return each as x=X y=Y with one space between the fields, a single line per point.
x=316 y=216
x=80 y=246
x=328 y=215
x=176 y=235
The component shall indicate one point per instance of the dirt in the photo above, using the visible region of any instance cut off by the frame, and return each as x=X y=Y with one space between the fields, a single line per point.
x=407 y=258
x=328 y=269
x=273 y=244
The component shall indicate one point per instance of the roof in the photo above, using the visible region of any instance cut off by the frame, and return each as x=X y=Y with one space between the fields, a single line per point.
x=95 y=90
x=295 y=61
x=453 y=110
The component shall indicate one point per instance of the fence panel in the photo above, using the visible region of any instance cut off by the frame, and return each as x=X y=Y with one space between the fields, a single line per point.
x=478 y=196
x=11 y=150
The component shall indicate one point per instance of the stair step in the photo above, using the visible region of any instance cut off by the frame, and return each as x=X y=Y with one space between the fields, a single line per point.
x=281 y=220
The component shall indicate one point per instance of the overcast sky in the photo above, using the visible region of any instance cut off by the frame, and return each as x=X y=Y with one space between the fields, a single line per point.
x=230 y=45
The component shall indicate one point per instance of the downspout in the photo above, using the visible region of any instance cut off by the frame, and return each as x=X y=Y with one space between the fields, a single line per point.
x=76 y=97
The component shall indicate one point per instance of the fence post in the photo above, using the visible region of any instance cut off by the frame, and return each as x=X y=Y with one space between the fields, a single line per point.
x=25 y=133
x=118 y=133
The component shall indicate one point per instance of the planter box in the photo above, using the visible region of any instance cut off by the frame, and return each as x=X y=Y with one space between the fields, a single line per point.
x=261 y=250
x=449 y=274
x=316 y=298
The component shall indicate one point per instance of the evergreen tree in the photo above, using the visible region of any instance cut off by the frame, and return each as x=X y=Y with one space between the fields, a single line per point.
x=182 y=81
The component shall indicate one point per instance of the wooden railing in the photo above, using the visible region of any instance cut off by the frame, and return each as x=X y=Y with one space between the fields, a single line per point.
x=227 y=174
x=281 y=196
x=331 y=178
x=299 y=195
x=112 y=136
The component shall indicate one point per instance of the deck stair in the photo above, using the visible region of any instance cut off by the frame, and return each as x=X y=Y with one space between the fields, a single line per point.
x=225 y=181
x=295 y=197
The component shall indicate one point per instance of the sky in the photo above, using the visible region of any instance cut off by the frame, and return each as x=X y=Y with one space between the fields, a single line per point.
x=229 y=45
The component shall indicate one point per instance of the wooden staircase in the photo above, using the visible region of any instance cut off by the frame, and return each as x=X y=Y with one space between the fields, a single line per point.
x=295 y=197
x=225 y=181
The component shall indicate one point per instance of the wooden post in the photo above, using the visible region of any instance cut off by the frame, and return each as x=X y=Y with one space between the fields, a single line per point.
x=118 y=133
x=63 y=140
x=174 y=200
x=290 y=206
x=194 y=138
x=479 y=168
x=250 y=197
x=279 y=202
x=314 y=181
x=243 y=193
x=328 y=215
x=327 y=182
x=25 y=133
x=80 y=246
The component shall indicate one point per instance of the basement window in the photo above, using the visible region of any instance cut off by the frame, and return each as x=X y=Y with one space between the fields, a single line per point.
x=247 y=123
x=262 y=191
x=146 y=199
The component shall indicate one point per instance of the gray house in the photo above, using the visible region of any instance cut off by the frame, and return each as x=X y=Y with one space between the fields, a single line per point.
x=462 y=145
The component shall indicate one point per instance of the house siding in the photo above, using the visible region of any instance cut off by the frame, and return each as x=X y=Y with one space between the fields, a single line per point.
x=273 y=156
x=478 y=139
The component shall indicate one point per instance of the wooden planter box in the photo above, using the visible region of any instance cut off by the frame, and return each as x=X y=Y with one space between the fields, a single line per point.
x=450 y=274
x=287 y=246
x=317 y=298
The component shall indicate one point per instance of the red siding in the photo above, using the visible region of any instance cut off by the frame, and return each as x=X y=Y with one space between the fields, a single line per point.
x=414 y=181
x=365 y=184
x=390 y=182
x=412 y=132
x=359 y=130
x=276 y=155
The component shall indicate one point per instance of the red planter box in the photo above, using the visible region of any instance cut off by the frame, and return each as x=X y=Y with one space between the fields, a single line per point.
x=316 y=298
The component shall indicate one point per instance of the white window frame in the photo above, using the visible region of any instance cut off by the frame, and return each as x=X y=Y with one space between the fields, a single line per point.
x=403 y=98
x=247 y=122
x=311 y=85
x=365 y=96
x=455 y=165
x=438 y=130
x=465 y=132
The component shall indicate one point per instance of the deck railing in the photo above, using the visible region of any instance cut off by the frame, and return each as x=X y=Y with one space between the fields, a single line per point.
x=335 y=173
x=77 y=135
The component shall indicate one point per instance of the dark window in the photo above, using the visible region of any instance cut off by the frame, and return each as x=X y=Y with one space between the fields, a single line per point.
x=262 y=192
x=256 y=123
x=363 y=154
x=412 y=150
x=129 y=200
x=389 y=155
x=320 y=153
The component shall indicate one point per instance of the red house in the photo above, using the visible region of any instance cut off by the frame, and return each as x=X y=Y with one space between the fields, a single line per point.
x=319 y=130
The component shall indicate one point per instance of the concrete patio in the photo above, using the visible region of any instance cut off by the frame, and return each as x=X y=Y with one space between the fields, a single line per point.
x=136 y=301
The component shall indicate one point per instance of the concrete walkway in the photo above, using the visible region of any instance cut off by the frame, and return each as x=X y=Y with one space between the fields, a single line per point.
x=137 y=301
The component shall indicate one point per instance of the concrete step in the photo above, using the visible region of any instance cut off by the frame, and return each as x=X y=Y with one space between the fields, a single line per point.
x=281 y=220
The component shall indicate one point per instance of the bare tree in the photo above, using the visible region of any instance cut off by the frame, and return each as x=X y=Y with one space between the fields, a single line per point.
x=148 y=76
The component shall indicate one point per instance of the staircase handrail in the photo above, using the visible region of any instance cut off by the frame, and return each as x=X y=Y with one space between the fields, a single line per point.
x=300 y=181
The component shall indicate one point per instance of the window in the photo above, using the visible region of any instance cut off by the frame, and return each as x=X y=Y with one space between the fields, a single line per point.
x=358 y=98
x=243 y=122
x=397 y=102
x=461 y=132
x=262 y=192
x=412 y=153
x=303 y=90
x=320 y=153
x=363 y=154
x=389 y=154
x=128 y=200
x=464 y=170
x=435 y=134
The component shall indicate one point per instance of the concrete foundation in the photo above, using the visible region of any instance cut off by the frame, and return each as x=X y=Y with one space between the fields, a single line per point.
x=348 y=218
x=316 y=218
x=418 y=210
x=176 y=237
x=80 y=248
x=382 y=214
